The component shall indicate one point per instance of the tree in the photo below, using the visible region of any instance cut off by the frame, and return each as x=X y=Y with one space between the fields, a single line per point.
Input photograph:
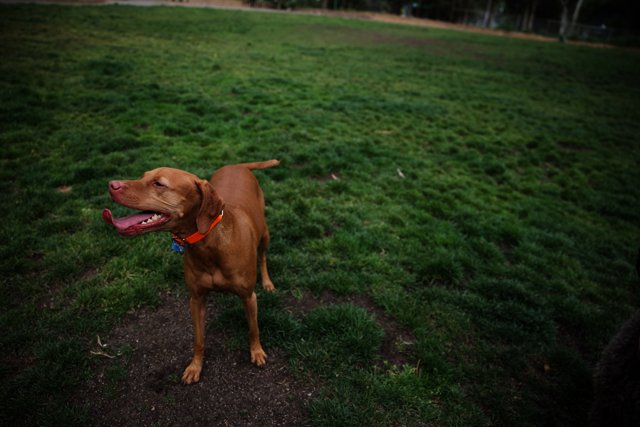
x=525 y=11
x=529 y=15
x=566 y=27
x=574 y=18
x=487 y=14
x=564 y=19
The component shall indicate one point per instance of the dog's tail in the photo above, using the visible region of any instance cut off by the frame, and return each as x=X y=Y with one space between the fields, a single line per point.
x=261 y=165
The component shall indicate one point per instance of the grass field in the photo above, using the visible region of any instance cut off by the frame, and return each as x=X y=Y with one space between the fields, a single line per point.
x=486 y=199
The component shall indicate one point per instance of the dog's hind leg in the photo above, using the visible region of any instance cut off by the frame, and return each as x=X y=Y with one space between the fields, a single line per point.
x=267 y=284
x=258 y=356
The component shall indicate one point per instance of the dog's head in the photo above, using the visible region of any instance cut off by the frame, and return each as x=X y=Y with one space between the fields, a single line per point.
x=168 y=200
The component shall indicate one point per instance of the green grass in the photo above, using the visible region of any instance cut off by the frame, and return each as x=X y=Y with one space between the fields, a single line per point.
x=508 y=245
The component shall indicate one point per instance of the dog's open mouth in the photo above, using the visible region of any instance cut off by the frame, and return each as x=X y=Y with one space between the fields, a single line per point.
x=137 y=223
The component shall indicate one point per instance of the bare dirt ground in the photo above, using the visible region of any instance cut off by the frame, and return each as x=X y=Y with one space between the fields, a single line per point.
x=137 y=370
x=142 y=384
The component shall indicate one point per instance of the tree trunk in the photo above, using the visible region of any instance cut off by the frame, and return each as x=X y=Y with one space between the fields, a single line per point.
x=574 y=18
x=532 y=15
x=494 y=10
x=525 y=18
x=519 y=25
x=487 y=14
x=564 y=20
x=452 y=10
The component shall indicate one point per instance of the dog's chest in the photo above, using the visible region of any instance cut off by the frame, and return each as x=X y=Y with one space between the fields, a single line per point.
x=207 y=275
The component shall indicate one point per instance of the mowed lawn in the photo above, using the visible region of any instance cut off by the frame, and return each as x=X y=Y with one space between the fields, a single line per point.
x=483 y=192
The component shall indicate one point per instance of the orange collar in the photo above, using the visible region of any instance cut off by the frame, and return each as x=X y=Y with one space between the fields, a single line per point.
x=197 y=236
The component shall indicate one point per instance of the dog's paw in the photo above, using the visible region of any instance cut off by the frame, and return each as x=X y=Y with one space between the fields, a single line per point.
x=191 y=375
x=258 y=357
x=268 y=286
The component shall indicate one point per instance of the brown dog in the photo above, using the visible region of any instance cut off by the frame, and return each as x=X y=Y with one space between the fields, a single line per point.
x=220 y=227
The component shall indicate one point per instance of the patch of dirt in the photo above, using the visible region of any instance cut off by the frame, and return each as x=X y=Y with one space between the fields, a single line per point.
x=137 y=370
x=141 y=384
x=377 y=37
x=398 y=343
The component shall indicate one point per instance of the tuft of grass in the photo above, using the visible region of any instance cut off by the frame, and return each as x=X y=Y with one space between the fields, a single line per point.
x=338 y=338
x=481 y=190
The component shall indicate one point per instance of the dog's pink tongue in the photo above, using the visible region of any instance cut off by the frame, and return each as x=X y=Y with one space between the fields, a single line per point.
x=124 y=222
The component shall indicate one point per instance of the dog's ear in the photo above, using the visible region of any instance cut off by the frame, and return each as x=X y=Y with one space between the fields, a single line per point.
x=210 y=207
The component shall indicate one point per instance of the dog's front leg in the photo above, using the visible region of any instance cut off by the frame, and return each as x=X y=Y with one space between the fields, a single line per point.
x=198 y=312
